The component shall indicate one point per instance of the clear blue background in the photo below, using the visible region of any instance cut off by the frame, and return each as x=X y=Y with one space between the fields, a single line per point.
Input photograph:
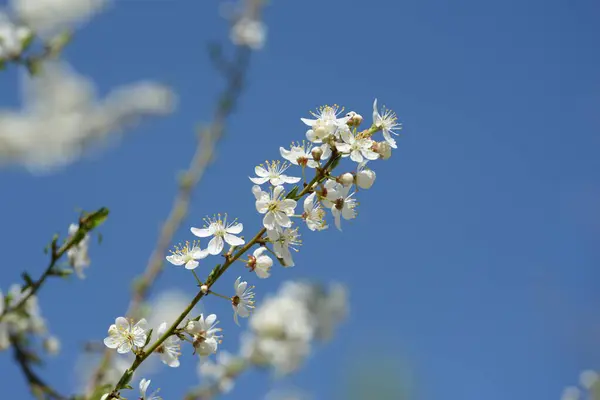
x=474 y=259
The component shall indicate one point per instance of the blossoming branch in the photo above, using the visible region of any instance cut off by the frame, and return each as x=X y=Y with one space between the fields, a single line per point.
x=331 y=138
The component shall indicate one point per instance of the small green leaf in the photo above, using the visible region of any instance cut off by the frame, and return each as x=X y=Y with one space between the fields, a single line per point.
x=95 y=219
x=28 y=281
x=293 y=193
x=148 y=338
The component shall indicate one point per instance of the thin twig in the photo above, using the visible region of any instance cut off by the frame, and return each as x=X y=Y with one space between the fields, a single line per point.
x=202 y=156
x=38 y=387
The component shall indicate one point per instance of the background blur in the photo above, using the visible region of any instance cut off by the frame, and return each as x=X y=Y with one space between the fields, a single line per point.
x=473 y=264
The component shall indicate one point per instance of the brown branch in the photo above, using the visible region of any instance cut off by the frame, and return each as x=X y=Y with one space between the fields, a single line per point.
x=39 y=388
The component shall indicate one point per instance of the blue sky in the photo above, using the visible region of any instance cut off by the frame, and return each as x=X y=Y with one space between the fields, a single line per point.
x=474 y=257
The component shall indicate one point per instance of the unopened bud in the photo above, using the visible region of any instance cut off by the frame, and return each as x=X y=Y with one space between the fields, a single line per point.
x=51 y=345
x=204 y=289
x=346 y=179
x=317 y=153
x=365 y=178
x=383 y=149
x=354 y=119
x=320 y=131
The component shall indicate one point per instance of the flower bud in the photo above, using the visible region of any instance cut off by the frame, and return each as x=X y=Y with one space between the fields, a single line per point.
x=51 y=345
x=365 y=178
x=320 y=131
x=204 y=289
x=383 y=149
x=354 y=119
x=346 y=179
x=317 y=153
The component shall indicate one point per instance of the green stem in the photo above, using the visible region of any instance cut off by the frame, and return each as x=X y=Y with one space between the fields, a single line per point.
x=216 y=273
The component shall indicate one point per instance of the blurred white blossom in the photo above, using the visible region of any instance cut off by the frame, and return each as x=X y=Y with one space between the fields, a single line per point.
x=249 y=32
x=48 y=16
x=62 y=116
x=12 y=37
x=78 y=254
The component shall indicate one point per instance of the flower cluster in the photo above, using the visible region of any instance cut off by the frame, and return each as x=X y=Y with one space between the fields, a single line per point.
x=26 y=320
x=13 y=38
x=590 y=382
x=282 y=328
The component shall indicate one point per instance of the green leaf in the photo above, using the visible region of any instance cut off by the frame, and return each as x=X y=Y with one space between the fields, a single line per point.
x=95 y=219
x=293 y=193
x=28 y=281
x=148 y=338
x=34 y=66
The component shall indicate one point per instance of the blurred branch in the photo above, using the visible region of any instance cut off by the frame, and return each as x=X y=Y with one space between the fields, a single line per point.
x=39 y=388
x=86 y=224
x=234 y=72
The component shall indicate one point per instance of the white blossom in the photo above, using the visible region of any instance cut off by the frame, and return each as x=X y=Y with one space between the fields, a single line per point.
x=78 y=254
x=48 y=16
x=274 y=173
x=62 y=117
x=340 y=201
x=249 y=32
x=277 y=210
x=243 y=301
x=588 y=379
x=326 y=123
x=571 y=393
x=388 y=123
x=144 y=384
x=12 y=38
x=260 y=263
x=170 y=349
x=221 y=371
x=51 y=345
x=222 y=232
x=314 y=214
x=364 y=177
x=205 y=334
x=302 y=154
x=358 y=148
x=383 y=149
x=122 y=335
x=283 y=241
x=187 y=255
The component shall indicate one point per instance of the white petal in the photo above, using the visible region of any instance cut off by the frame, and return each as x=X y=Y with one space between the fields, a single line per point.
x=122 y=324
x=257 y=192
x=257 y=253
x=233 y=240
x=198 y=254
x=375 y=112
x=389 y=139
x=210 y=320
x=276 y=181
x=371 y=155
x=112 y=342
x=336 y=217
x=309 y=122
x=124 y=347
x=347 y=137
x=277 y=191
x=260 y=171
x=356 y=156
x=282 y=219
x=259 y=181
x=215 y=246
x=192 y=264
x=343 y=147
x=291 y=179
x=162 y=328
x=175 y=259
x=262 y=206
x=269 y=220
x=201 y=232
x=235 y=229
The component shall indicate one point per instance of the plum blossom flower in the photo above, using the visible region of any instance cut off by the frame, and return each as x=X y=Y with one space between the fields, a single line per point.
x=78 y=253
x=170 y=349
x=249 y=32
x=122 y=335
x=340 y=201
x=260 y=263
x=302 y=154
x=12 y=37
x=222 y=232
x=243 y=301
x=277 y=210
x=364 y=177
x=144 y=384
x=326 y=123
x=274 y=173
x=187 y=255
x=283 y=241
x=358 y=148
x=314 y=214
x=388 y=122
x=205 y=334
